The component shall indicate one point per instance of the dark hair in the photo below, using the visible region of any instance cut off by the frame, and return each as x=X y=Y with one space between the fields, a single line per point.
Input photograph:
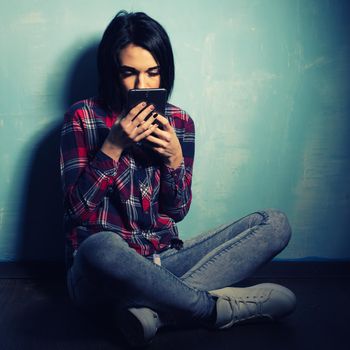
x=138 y=29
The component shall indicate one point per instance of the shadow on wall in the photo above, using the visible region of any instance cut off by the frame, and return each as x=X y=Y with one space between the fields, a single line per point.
x=41 y=229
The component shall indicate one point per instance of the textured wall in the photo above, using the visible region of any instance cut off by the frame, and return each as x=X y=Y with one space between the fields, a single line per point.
x=265 y=81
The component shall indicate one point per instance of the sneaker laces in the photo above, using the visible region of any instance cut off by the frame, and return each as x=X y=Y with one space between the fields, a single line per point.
x=246 y=308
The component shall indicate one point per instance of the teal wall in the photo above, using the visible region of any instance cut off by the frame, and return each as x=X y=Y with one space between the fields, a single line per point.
x=265 y=81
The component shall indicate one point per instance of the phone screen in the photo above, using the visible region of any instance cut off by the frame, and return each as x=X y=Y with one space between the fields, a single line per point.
x=157 y=97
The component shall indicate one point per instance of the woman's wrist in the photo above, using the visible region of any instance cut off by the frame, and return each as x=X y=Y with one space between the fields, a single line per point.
x=111 y=150
x=174 y=162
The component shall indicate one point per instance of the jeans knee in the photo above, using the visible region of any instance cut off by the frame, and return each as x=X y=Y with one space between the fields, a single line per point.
x=281 y=229
x=100 y=249
x=105 y=240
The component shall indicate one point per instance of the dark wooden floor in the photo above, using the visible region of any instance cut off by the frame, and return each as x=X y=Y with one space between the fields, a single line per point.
x=35 y=313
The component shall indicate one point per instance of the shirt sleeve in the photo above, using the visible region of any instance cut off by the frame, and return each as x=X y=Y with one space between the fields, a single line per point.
x=175 y=189
x=86 y=178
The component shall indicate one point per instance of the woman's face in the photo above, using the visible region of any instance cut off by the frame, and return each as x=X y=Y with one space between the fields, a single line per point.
x=139 y=70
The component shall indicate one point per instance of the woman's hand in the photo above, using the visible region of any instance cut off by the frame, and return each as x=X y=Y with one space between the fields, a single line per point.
x=132 y=128
x=166 y=143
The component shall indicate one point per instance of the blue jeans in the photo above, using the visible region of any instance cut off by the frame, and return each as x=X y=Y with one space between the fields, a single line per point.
x=107 y=272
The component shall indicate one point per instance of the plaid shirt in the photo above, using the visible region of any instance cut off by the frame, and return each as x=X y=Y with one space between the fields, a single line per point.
x=137 y=197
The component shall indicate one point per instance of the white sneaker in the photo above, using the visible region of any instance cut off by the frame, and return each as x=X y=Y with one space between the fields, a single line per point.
x=264 y=301
x=138 y=325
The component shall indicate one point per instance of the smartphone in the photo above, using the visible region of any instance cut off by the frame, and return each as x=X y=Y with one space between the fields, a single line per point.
x=157 y=97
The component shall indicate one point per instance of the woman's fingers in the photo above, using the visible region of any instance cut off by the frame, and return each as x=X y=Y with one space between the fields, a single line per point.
x=159 y=137
x=146 y=133
x=156 y=140
x=143 y=129
x=134 y=112
x=137 y=125
x=140 y=124
x=142 y=114
x=164 y=122
x=135 y=118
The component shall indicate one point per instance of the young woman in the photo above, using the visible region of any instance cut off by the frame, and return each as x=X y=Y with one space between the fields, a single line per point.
x=127 y=181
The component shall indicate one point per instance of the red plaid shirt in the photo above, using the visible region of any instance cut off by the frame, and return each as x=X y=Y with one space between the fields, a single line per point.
x=137 y=197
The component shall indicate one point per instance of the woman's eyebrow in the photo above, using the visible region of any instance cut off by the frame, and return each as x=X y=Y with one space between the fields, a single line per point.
x=153 y=68
x=129 y=68
x=135 y=70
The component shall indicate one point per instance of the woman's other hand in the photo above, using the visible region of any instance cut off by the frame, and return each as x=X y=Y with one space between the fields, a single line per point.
x=166 y=143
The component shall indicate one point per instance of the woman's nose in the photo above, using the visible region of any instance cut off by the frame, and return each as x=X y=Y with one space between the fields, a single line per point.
x=140 y=82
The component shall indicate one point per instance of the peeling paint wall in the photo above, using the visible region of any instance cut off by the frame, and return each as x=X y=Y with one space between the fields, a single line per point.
x=265 y=81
